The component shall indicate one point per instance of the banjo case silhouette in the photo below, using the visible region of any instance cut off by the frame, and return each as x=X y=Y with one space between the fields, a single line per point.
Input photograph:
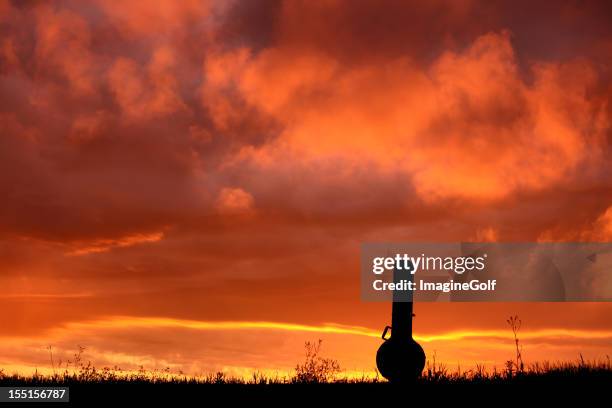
x=400 y=358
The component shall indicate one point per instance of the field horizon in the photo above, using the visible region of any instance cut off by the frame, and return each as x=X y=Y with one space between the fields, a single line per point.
x=314 y=369
x=540 y=381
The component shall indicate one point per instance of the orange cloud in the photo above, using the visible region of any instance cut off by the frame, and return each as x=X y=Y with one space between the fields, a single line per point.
x=164 y=17
x=123 y=242
x=234 y=200
x=468 y=126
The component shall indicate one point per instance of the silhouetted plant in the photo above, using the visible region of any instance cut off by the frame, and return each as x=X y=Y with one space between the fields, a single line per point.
x=315 y=368
x=50 y=348
x=509 y=368
x=515 y=325
x=435 y=371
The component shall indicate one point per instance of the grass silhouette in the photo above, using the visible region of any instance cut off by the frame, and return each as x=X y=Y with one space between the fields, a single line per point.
x=316 y=370
x=317 y=378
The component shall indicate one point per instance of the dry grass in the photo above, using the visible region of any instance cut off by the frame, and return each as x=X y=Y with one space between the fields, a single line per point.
x=433 y=374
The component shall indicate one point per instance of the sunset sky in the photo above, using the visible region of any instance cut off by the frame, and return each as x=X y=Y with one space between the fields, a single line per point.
x=186 y=184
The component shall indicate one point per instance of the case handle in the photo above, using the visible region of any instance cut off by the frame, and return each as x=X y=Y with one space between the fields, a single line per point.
x=387 y=328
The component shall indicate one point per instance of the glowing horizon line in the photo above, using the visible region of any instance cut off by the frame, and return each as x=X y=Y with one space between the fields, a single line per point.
x=332 y=328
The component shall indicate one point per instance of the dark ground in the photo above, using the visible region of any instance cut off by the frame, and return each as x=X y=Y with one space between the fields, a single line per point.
x=542 y=390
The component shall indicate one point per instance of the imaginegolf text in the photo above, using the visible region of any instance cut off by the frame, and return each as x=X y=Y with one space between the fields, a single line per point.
x=406 y=285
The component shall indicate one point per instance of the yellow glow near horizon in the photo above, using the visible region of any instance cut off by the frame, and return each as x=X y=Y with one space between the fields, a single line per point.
x=494 y=341
x=333 y=328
